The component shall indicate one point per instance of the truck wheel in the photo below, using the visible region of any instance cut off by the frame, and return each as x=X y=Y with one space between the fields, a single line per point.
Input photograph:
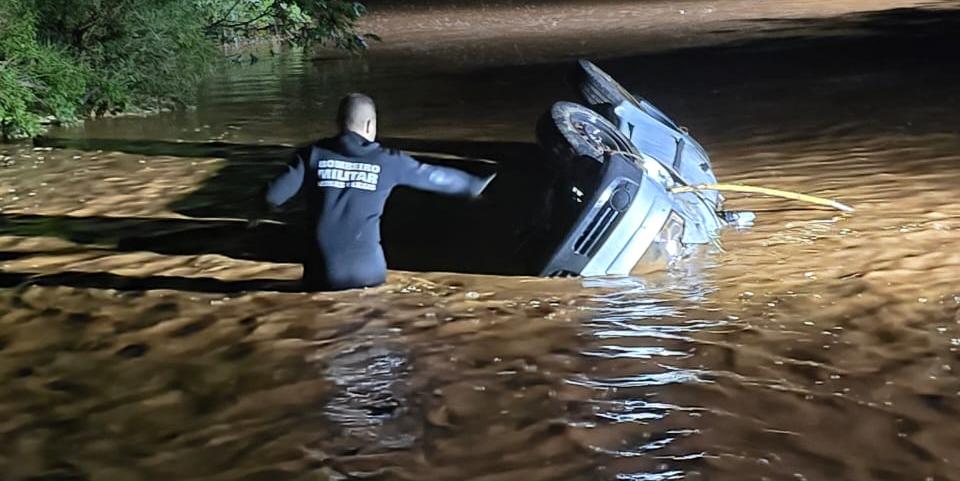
x=599 y=89
x=569 y=131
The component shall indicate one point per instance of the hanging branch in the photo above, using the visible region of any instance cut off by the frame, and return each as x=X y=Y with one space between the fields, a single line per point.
x=225 y=16
x=266 y=12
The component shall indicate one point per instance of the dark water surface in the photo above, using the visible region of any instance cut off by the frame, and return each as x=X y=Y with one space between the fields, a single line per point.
x=147 y=334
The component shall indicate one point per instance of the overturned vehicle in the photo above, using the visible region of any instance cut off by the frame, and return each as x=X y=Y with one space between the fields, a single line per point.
x=627 y=183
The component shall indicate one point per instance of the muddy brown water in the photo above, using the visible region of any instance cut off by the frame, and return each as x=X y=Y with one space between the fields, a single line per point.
x=147 y=334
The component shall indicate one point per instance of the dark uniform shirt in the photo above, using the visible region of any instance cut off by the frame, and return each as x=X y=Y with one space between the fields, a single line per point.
x=346 y=180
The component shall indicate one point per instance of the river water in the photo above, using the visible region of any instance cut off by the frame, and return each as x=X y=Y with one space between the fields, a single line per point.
x=146 y=333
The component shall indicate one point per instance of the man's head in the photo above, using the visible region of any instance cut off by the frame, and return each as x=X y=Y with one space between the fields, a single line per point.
x=358 y=114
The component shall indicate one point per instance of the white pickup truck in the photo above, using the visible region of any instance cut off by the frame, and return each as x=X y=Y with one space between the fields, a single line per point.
x=618 y=160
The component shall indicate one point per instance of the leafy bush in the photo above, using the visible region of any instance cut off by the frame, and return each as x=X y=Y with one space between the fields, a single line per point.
x=140 y=51
x=62 y=59
x=16 y=118
x=37 y=79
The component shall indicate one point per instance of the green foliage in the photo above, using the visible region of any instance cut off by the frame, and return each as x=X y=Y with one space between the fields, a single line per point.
x=63 y=59
x=139 y=50
x=16 y=119
x=335 y=22
x=17 y=36
x=37 y=79
x=303 y=22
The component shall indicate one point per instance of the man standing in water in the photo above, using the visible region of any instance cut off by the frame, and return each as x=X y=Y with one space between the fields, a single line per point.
x=347 y=180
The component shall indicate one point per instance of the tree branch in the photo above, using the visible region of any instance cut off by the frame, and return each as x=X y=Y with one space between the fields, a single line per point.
x=266 y=12
x=225 y=16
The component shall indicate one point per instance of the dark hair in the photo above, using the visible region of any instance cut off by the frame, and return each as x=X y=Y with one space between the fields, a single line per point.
x=355 y=110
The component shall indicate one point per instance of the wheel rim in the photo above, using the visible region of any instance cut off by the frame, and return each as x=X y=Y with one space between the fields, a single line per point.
x=596 y=134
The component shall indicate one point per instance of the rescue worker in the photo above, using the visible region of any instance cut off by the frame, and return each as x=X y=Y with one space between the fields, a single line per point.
x=346 y=180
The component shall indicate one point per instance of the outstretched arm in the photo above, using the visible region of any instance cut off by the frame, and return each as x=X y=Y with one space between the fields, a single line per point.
x=287 y=184
x=442 y=180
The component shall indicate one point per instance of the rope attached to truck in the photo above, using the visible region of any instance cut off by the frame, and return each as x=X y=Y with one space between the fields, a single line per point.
x=751 y=189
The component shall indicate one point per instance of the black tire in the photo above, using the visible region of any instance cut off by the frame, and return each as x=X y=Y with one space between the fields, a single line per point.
x=570 y=131
x=597 y=87
x=601 y=92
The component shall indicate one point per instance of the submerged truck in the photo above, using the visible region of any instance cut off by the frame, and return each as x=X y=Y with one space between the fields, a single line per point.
x=618 y=161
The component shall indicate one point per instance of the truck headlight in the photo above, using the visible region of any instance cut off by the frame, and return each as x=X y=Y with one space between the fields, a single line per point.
x=667 y=246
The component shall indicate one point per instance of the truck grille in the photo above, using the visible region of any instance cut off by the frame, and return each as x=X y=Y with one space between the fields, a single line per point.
x=596 y=230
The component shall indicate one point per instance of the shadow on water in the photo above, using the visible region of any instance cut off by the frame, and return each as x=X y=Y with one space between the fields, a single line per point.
x=421 y=231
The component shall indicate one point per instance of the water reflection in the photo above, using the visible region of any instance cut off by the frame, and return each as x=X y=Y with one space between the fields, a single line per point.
x=640 y=332
x=370 y=401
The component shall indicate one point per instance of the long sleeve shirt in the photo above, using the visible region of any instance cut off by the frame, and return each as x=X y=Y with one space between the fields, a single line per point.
x=346 y=181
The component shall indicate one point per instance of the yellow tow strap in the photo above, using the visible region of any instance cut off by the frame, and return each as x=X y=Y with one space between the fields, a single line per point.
x=764 y=190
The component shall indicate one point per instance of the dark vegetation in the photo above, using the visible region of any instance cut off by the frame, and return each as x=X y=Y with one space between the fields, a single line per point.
x=61 y=60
